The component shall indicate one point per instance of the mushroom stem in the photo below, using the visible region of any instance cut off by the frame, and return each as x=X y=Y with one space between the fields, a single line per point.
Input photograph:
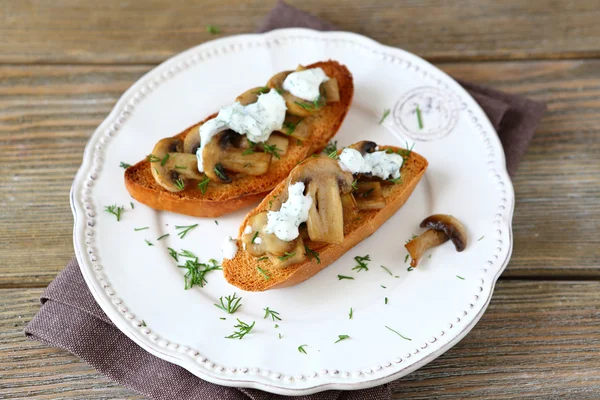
x=419 y=245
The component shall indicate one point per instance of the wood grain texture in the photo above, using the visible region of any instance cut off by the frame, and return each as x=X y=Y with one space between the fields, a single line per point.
x=537 y=340
x=78 y=31
x=47 y=114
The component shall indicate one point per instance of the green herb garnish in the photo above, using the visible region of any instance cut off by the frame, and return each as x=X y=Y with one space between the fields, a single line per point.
x=313 y=105
x=204 y=184
x=131 y=204
x=114 y=210
x=301 y=349
x=243 y=330
x=187 y=254
x=163 y=236
x=291 y=127
x=271 y=313
x=397 y=333
x=333 y=155
x=184 y=230
x=180 y=184
x=287 y=255
x=362 y=265
x=396 y=180
x=263 y=258
x=280 y=336
x=272 y=149
x=164 y=160
x=405 y=259
x=213 y=30
x=331 y=147
x=180 y=167
x=152 y=158
x=230 y=305
x=148 y=242
x=196 y=272
x=351 y=313
x=355 y=184
x=173 y=253
x=140 y=229
x=388 y=271
x=143 y=323
x=247 y=151
x=460 y=277
x=124 y=165
x=219 y=173
x=419 y=117
x=366 y=194
x=312 y=254
x=481 y=238
x=386 y=300
x=263 y=273
x=254 y=237
x=216 y=222
x=340 y=277
x=386 y=112
x=342 y=337
x=409 y=269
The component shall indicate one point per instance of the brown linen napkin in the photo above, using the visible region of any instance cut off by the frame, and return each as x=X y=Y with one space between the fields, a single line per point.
x=70 y=318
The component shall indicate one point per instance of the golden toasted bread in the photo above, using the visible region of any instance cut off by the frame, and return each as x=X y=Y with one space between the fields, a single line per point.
x=222 y=198
x=242 y=272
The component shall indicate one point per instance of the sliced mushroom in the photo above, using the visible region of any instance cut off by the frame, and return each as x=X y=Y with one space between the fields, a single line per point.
x=219 y=156
x=280 y=142
x=324 y=181
x=192 y=141
x=441 y=228
x=330 y=90
x=295 y=105
x=296 y=127
x=295 y=256
x=250 y=96
x=184 y=164
x=349 y=207
x=164 y=174
x=257 y=242
x=368 y=196
x=364 y=146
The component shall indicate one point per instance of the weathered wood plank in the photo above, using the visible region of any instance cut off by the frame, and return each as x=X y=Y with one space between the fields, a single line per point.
x=537 y=340
x=48 y=112
x=77 y=31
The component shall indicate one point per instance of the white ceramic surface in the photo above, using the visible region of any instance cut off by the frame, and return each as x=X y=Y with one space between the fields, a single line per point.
x=432 y=306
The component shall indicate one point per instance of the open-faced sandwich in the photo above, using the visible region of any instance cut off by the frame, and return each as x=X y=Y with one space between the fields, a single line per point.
x=326 y=206
x=234 y=158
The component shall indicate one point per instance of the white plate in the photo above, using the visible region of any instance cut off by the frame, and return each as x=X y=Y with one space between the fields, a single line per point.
x=431 y=305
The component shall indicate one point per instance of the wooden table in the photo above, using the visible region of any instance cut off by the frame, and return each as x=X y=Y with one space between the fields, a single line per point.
x=63 y=65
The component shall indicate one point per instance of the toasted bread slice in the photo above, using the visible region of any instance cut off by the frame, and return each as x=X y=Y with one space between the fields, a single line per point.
x=241 y=271
x=221 y=198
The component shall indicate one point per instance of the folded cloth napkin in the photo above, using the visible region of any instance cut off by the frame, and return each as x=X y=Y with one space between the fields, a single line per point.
x=70 y=318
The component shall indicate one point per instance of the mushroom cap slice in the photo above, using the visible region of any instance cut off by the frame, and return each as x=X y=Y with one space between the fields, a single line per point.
x=192 y=141
x=451 y=226
x=162 y=171
x=364 y=146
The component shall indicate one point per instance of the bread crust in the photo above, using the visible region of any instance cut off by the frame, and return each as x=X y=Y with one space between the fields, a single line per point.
x=220 y=199
x=241 y=271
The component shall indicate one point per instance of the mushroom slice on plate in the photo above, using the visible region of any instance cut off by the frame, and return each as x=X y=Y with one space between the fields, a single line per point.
x=192 y=141
x=295 y=105
x=257 y=242
x=295 y=256
x=185 y=165
x=441 y=228
x=220 y=156
x=163 y=172
x=349 y=207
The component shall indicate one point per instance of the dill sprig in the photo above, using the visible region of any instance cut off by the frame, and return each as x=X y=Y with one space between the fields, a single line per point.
x=331 y=147
x=397 y=333
x=342 y=337
x=254 y=237
x=179 y=183
x=124 y=165
x=460 y=277
x=301 y=349
x=213 y=30
x=388 y=271
x=419 y=117
x=333 y=155
x=243 y=330
x=272 y=149
x=362 y=265
x=149 y=243
x=351 y=314
x=291 y=127
x=163 y=236
x=340 y=277
x=152 y=158
x=140 y=229
x=386 y=113
x=312 y=254
x=196 y=272
x=187 y=254
x=230 y=305
x=263 y=273
x=271 y=313
x=287 y=255
x=219 y=173
x=313 y=105
x=173 y=253
x=114 y=210
x=260 y=90
x=204 y=185
x=184 y=229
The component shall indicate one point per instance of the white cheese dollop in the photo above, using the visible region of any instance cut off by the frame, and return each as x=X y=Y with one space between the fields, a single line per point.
x=285 y=222
x=379 y=163
x=247 y=230
x=305 y=84
x=229 y=248
x=257 y=120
